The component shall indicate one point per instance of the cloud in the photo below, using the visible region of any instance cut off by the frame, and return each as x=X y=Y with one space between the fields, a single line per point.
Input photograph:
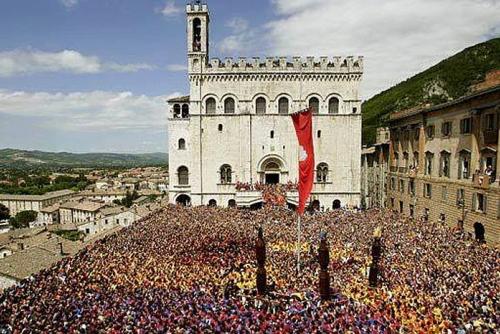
x=176 y=67
x=169 y=9
x=69 y=3
x=242 y=38
x=18 y=62
x=398 y=38
x=238 y=24
x=97 y=111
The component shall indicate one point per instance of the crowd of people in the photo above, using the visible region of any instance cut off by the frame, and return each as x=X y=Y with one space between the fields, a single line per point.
x=272 y=194
x=192 y=270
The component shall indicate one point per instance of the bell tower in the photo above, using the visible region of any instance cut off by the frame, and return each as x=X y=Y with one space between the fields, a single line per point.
x=198 y=19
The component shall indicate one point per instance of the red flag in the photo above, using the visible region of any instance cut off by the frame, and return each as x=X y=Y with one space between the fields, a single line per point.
x=302 y=122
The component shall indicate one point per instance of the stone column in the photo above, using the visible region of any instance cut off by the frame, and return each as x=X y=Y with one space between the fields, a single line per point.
x=260 y=251
x=324 y=260
x=376 y=253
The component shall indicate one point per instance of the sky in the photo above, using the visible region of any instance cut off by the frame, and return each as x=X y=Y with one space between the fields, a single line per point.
x=94 y=75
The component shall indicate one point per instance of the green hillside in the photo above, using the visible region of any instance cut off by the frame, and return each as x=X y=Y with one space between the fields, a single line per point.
x=12 y=158
x=450 y=79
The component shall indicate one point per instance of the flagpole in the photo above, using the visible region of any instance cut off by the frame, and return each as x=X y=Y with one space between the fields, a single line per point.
x=298 y=214
x=298 y=245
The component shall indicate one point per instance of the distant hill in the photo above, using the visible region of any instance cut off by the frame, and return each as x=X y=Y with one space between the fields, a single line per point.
x=450 y=79
x=27 y=159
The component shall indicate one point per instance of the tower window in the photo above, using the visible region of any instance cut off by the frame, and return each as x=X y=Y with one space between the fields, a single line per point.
x=260 y=106
x=210 y=105
x=183 y=175
x=225 y=174
x=314 y=104
x=319 y=133
x=354 y=110
x=333 y=106
x=185 y=111
x=182 y=144
x=177 y=111
x=321 y=172
x=196 y=35
x=220 y=127
x=283 y=105
x=229 y=105
x=272 y=134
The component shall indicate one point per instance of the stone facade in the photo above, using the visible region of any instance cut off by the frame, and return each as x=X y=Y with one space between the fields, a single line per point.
x=374 y=169
x=235 y=125
x=439 y=160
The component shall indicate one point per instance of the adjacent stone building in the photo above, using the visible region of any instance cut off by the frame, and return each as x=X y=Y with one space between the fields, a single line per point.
x=374 y=169
x=18 y=203
x=444 y=163
x=235 y=126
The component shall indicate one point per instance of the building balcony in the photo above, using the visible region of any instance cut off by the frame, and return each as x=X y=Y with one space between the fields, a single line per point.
x=412 y=173
x=248 y=198
x=402 y=170
x=394 y=169
x=481 y=181
x=490 y=137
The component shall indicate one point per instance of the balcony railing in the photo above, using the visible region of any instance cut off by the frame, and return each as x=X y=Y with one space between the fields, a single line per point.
x=412 y=172
x=481 y=180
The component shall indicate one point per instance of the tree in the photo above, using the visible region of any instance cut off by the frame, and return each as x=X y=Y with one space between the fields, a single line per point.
x=23 y=219
x=4 y=212
x=128 y=200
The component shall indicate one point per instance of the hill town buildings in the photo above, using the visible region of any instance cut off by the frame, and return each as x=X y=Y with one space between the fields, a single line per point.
x=443 y=164
x=235 y=126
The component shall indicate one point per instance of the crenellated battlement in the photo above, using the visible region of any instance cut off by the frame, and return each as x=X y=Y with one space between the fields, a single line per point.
x=285 y=64
x=196 y=7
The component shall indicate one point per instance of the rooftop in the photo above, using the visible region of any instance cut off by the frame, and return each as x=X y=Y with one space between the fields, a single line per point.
x=425 y=109
x=44 y=197
x=179 y=99
x=83 y=206
x=113 y=210
x=43 y=255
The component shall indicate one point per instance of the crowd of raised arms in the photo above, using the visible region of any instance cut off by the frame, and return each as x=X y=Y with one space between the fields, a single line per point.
x=192 y=270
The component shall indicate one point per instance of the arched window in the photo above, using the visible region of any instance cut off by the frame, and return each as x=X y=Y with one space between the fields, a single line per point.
x=220 y=127
x=212 y=203
x=314 y=104
x=464 y=164
x=283 y=105
x=210 y=105
x=333 y=106
x=322 y=172
x=185 y=111
x=229 y=105
x=196 y=34
x=182 y=144
x=225 y=174
x=177 y=111
x=231 y=203
x=260 y=106
x=319 y=133
x=183 y=175
x=271 y=134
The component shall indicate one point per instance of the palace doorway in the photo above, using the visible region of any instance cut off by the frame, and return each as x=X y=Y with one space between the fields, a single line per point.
x=272 y=172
